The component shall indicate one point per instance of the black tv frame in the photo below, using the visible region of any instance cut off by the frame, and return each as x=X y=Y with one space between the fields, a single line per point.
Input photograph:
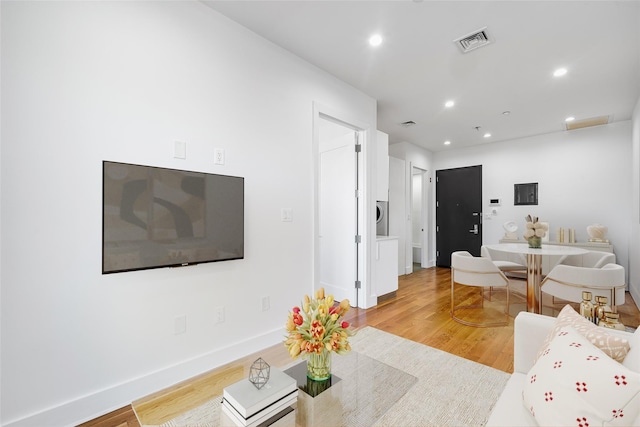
x=202 y=217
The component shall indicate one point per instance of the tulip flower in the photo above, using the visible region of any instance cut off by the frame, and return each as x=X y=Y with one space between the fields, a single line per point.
x=316 y=326
x=294 y=351
x=290 y=325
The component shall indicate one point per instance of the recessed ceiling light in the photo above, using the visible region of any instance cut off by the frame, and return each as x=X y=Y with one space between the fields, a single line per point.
x=560 y=72
x=375 y=40
x=447 y=142
x=449 y=104
x=506 y=113
x=569 y=119
x=487 y=135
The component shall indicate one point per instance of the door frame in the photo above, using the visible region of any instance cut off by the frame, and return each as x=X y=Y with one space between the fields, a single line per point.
x=424 y=217
x=366 y=201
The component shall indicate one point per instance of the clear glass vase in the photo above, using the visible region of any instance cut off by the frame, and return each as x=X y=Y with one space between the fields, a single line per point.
x=535 y=242
x=319 y=365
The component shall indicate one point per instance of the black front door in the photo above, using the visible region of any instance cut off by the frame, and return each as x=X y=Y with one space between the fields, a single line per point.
x=458 y=212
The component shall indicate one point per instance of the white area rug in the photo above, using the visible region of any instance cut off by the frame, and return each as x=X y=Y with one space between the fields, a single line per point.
x=434 y=388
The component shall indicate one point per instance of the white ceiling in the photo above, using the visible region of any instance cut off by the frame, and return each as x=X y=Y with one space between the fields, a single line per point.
x=418 y=67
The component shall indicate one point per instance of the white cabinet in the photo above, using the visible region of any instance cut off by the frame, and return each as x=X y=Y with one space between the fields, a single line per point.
x=386 y=265
x=382 y=160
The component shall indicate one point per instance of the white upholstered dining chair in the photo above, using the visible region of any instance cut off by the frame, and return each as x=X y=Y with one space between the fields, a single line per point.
x=567 y=282
x=480 y=272
x=505 y=261
x=592 y=259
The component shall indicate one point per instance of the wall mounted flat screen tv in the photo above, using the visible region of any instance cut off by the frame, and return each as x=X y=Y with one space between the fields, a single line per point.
x=156 y=217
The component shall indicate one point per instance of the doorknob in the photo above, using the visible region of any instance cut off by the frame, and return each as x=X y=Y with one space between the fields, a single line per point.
x=475 y=229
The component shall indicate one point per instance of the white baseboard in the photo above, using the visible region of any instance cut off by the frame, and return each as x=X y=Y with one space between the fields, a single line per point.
x=104 y=401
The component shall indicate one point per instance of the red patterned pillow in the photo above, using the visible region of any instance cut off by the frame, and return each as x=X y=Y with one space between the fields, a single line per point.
x=615 y=347
x=575 y=383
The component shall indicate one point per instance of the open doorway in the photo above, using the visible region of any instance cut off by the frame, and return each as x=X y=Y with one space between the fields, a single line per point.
x=419 y=249
x=339 y=209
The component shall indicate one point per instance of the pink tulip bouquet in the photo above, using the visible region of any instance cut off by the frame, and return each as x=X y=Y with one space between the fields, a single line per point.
x=318 y=326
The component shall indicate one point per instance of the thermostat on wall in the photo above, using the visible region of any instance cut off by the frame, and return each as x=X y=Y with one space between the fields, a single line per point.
x=494 y=202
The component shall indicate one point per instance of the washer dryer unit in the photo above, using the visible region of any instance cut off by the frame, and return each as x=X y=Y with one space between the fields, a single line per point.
x=382 y=218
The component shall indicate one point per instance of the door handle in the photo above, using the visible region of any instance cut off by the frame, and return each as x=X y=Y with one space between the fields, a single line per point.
x=475 y=229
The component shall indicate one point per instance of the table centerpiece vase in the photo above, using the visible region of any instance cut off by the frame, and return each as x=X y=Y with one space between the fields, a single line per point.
x=319 y=365
x=317 y=329
x=535 y=242
x=534 y=231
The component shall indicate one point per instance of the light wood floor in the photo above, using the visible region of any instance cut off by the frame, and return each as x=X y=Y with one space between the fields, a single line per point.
x=418 y=311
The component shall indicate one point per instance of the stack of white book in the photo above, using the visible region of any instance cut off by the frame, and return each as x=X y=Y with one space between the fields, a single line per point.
x=248 y=406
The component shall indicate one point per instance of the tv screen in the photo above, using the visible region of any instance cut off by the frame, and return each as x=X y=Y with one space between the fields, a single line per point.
x=156 y=217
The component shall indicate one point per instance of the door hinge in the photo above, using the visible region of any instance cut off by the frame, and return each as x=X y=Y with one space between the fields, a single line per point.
x=437 y=253
x=358 y=239
x=358 y=284
x=437 y=228
x=437 y=204
x=358 y=148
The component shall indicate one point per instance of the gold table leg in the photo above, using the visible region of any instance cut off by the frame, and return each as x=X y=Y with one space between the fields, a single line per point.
x=534 y=276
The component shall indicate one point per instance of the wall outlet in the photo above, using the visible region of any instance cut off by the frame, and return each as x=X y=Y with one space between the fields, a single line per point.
x=180 y=325
x=218 y=156
x=266 y=304
x=219 y=314
x=286 y=214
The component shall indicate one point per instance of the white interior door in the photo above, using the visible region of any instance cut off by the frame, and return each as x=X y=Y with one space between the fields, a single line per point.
x=338 y=223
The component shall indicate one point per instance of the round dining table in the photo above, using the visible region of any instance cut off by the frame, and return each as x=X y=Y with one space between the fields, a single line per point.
x=534 y=265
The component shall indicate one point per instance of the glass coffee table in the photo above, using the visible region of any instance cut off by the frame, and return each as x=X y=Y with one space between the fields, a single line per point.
x=359 y=392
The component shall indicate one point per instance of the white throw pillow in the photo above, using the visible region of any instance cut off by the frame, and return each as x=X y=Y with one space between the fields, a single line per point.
x=574 y=383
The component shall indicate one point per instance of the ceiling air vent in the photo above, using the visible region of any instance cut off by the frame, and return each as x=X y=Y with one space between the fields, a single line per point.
x=474 y=40
x=594 y=121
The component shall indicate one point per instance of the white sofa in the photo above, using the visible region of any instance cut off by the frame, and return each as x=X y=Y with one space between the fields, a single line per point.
x=530 y=332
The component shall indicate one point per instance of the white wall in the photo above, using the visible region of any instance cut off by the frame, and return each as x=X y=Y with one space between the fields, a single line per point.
x=584 y=177
x=84 y=82
x=634 y=236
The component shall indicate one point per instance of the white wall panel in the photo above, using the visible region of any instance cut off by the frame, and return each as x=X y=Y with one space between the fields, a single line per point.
x=84 y=82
